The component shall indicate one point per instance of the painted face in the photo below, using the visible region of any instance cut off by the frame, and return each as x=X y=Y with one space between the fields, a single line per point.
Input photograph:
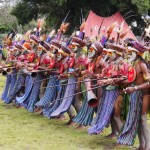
x=121 y=66
x=18 y=37
x=25 y=52
x=39 y=50
x=16 y=53
x=39 y=53
x=111 y=56
x=105 y=57
x=131 y=56
x=59 y=56
x=91 y=52
x=32 y=43
x=54 y=49
x=74 y=48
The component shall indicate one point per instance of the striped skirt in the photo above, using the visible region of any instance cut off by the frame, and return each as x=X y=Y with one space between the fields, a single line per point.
x=34 y=95
x=17 y=87
x=6 y=89
x=28 y=87
x=67 y=101
x=85 y=115
x=99 y=108
x=128 y=134
x=13 y=79
x=47 y=111
x=50 y=93
x=106 y=112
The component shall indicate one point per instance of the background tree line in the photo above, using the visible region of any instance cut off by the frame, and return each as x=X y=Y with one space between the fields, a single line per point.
x=28 y=10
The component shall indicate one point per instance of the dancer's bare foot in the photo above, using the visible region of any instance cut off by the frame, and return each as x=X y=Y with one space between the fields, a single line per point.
x=140 y=148
x=61 y=117
x=36 y=109
x=111 y=136
x=18 y=106
x=71 y=123
x=81 y=127
x=118 y=145
x=39 y=112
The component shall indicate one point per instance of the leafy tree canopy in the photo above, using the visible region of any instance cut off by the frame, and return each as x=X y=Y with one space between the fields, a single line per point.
x=26 y=10
x=7 y=21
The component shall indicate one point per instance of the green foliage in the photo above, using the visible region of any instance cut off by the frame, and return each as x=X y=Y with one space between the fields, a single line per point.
x=30 y=25
x=7 y=21
x=26 y=10
x=142 y=5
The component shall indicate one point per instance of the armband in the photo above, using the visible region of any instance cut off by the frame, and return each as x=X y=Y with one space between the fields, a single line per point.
x=135 y=88
x=147 y=78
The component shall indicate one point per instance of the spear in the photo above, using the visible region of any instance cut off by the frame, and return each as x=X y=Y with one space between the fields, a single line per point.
x=84 y=91
x=78 y=93
x=81 y=16
x=5 y=67
x=99 y=30
x=46 y=79
x=36 y=71
x=69 y=83
x=66 y=17
x=79 y=82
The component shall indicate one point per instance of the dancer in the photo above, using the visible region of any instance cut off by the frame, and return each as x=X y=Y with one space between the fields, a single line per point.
x=139 y=105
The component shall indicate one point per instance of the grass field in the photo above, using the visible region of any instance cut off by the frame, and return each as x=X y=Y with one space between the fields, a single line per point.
x=22 y=130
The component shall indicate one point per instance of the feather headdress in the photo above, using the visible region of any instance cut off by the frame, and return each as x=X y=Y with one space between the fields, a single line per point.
x=111 y=28
x=64 y=26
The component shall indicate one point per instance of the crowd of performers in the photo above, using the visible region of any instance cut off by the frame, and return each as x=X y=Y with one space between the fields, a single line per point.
x=97 y=81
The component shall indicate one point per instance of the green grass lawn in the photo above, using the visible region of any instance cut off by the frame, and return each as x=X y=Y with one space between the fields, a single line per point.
x=22 y=130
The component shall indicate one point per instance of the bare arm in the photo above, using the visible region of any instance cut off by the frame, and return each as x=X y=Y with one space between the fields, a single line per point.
x=144 y=70
x=139 y=87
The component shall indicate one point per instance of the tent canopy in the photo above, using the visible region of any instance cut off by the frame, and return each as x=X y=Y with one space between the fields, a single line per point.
x=96 y=24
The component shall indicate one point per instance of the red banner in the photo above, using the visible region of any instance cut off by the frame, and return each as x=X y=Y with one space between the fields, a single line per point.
x=96 y=24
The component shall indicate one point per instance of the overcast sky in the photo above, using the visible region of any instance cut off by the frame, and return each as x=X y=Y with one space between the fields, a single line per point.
x=11 y=2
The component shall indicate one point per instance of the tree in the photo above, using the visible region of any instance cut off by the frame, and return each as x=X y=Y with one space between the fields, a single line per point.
x=142 y=5
x=26 y=10
x=7 y=21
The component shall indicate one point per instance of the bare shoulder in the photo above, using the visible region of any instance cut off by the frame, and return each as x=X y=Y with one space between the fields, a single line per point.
x=143 y=67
